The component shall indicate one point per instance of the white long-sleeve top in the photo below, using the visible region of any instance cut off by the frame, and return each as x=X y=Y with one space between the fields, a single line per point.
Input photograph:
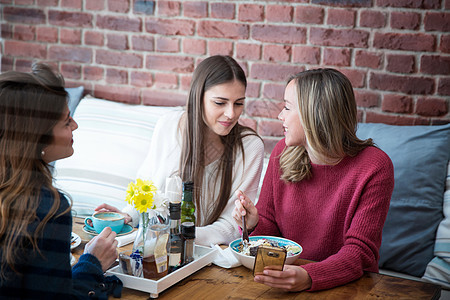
x=163 y=161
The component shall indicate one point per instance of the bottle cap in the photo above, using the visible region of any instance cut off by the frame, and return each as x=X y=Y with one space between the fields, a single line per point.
x=175 y=210
x=188 y=230
x=188 y=186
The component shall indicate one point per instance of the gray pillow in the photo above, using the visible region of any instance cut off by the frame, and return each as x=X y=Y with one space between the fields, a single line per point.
x=420 y=155
x=75 y=95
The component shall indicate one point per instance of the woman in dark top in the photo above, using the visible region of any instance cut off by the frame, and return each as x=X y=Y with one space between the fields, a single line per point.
x=35 y=218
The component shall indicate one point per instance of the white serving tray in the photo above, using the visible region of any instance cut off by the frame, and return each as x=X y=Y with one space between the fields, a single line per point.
x=203 y=256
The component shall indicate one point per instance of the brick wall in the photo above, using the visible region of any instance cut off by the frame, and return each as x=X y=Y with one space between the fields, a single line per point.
x=395 y=52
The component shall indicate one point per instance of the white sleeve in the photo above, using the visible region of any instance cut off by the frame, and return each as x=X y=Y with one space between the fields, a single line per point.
x=246 y=176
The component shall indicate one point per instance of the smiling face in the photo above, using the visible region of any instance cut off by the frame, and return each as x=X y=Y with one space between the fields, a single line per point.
x=293 y=128
x=222 y=106
x=61 y=144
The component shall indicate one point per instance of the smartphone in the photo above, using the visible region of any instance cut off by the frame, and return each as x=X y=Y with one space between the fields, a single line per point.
x=269 y=256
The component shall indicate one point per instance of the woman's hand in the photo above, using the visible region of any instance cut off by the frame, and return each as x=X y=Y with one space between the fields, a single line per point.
x=106 y=207
x=244 y=207
x=104 y=247
x=292 y=278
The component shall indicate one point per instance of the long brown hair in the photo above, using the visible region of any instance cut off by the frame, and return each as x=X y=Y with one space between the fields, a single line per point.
x=328 y=114
x=30 y=106
x=210 y=72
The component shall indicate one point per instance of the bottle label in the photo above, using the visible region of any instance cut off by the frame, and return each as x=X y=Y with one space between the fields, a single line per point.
x=174 y=259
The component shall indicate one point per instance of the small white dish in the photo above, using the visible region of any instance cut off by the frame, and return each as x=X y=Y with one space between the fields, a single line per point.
x=127 y=229
x=75 y=241
x=73 y=260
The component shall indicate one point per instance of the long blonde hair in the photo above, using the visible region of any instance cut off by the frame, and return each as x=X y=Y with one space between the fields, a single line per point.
x=30 y=106
x=212 y=71
x=328 y=113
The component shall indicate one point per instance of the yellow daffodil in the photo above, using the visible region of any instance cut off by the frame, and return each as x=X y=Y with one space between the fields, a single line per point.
x=143 y=202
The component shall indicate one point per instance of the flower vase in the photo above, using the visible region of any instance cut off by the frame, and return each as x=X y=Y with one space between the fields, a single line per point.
x=152 y=244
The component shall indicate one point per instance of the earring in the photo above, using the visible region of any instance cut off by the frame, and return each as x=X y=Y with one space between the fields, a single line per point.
x=42 y=153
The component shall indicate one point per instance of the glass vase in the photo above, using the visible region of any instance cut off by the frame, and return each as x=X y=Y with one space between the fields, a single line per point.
x=152 y=243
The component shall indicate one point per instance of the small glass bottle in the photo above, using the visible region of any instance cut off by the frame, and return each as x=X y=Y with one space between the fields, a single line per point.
x=187 y=203
x=176 y=240
x=188 y=234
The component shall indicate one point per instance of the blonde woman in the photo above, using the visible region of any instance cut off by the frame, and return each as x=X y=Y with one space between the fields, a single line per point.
x=324 y=188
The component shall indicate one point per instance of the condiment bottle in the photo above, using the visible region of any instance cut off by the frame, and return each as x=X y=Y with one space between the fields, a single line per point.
x=187 y=203
x=188 y=234
x=176 y=241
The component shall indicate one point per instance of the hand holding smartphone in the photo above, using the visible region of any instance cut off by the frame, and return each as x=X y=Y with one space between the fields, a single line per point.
x=269 y=256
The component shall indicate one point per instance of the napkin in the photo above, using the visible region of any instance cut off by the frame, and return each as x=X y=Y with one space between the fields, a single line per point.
x=126 y=239
x=225 y=258
x=173 y=190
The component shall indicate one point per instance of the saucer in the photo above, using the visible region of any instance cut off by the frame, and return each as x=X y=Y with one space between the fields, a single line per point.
x=75 y=241
x=127 y=228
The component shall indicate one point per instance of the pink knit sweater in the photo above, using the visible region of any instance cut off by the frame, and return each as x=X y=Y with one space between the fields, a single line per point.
x=337 y=216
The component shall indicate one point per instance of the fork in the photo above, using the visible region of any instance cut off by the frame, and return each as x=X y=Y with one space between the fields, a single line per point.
x=244 y=232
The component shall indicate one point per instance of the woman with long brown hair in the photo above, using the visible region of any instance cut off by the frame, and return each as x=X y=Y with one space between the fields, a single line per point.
x=35 y=218
x=206 y=144
x=324 y=188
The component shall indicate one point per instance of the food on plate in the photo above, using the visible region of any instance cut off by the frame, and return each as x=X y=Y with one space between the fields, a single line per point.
x=251 y=247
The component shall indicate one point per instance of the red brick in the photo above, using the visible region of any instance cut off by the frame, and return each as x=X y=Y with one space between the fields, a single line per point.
x=269 y=144
x=92 y=73
x=70 y=71
x=436 y=21
x=447 y=4
x=24 y=33
x=195 y=9
x=309 y=15
x=339 y=37
x=185 y=81
x=251 y=13
x=119 y=23
x=247 y=122
x=25 y=49
x=167 y=44
x=194 y=46
x=24 y=2
x=66 y=53
x=117 y=93
x=7 y=63
x=404 y=41
x=409 y=3
x=23 y=15
x=53 y=3
x=401 y=63
x=23 y=65
x=180 y=64
x=93 y=38
x=373 y=117
x=222 y=10
x=166 y=81
x=433 y=107
x=341 y=17
x=366 y=98
x=270 y=128
x=6 y=1
x=263 y=108
x=445 y=43
x=336 y=57
x=76 y=4
x=405 y=20
x=141 y=79
x=306 y=55
x=444 y=86
x=368 y=59
x=163 y=98
x=95 y=4
x=372 y=19
x=277 y=53
x=275 y=72
x=7 y=31
x=279 y=34
x=216 y=29
x=220 y=48
x=120 y=6
x=70 y=19
x=273 y=91
x=356 y=77
x=116 y=58
x=70 y=36
x=436 y=65
x=168 y=8
x=404 y=84
x=170 y=26
x=143 y=43
x=248 y=51
x=116 y=76
x=47 y=34
x=253 y=89
x=397 y=104
x=344 y=3
x=279 y=13
x=117 y=41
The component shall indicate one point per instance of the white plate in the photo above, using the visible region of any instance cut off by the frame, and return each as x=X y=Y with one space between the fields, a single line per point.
x=76 y=240
x=127 y=229
x=73 y=260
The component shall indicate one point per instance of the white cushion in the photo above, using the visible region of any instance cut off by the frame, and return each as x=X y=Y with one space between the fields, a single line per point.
x=110 y=144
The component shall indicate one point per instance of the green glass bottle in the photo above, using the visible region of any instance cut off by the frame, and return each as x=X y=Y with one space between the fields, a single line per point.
x=187 y=203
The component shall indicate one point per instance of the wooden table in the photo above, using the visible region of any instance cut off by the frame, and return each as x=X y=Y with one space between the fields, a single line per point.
x=215 y=283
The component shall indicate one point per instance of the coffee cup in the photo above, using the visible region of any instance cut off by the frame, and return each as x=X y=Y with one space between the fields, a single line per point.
x=100 y=220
